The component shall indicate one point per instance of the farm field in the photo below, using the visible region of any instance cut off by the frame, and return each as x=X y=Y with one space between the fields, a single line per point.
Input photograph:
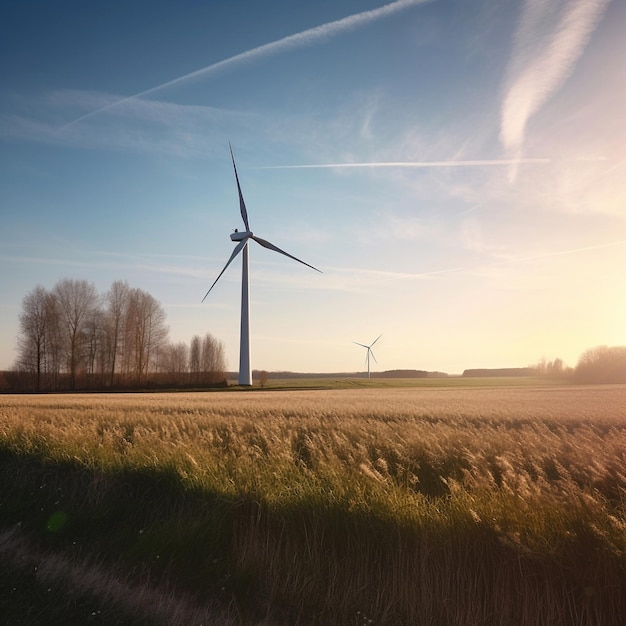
x=378 y=504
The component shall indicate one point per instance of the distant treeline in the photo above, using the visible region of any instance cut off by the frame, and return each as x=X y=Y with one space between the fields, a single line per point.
x=603 y=364
x=257 y=374
x=408 y=374
x=72 y=338
x=502 y=371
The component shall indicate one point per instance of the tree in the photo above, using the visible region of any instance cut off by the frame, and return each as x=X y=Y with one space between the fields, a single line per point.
x=76 y=300
x=195 y=360
x=178 y=362
x=33 y=333
x=95 y=338
x=146 y=330
x=550 y=368
x=263 y=378
x=555 y=368
x=117 y=300
x=213 y=361
x=603 y=364
x=54 y=343
x=39 y=340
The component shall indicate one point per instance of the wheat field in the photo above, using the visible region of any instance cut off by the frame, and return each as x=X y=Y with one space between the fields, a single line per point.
x=447 y=505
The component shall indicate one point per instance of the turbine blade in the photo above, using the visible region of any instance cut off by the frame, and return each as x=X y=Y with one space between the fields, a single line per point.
x=271 y=246
x=360 y=344
x=236 y=251
x=242 y=204
x=372 y=353
x=375 y=340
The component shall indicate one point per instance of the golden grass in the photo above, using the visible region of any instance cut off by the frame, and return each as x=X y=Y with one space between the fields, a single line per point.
x=513 y=436
x=443 y=505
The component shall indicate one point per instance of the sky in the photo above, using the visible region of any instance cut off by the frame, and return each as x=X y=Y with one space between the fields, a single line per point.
x=455 y=168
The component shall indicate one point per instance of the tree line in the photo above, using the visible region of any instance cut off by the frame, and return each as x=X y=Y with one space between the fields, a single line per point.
x=603 y=364
x=71 y=337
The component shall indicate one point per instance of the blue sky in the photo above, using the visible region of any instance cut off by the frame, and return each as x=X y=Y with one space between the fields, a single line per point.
x=455 y=168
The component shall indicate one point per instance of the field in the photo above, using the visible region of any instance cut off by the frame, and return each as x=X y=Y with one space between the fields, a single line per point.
x=440 y=504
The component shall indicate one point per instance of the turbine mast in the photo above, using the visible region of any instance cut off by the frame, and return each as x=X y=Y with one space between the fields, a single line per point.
x=245 y=371
x=242 y=239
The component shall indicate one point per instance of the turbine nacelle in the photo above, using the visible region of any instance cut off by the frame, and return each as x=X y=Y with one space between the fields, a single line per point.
x=240 y=235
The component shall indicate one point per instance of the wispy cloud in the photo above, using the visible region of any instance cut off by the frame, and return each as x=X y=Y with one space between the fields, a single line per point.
x=356 y=279
x=137 y=125
x=510 y=269
x=360 y=280
x=549 y=40
x=304 y=38
x=555 y=253
x=414 y=164
x=151 y=264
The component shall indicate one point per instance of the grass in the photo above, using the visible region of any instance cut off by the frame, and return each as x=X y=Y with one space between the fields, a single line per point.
x=385 y=503
x=361 y=382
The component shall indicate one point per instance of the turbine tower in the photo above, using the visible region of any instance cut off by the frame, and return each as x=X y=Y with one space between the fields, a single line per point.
x=369 y=352
x=242 y=239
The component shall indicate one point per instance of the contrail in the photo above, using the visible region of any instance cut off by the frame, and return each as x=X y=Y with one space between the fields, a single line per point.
x=599 y=246
x=451 y=163
x=517 y=260
x=549 y=40
x=414 y=164
x=304 y=38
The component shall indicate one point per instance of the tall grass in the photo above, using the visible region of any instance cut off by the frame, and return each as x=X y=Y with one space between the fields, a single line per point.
x=387 y=506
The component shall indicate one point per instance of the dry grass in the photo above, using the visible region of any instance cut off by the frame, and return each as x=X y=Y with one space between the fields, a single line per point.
x=427 y=506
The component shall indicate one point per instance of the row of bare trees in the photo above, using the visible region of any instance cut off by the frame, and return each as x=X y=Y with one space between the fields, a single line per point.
x=71 y=337
x=603 y=364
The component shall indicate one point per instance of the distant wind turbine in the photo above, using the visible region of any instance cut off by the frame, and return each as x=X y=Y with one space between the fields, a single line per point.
x=245 y=371
x=369 y=352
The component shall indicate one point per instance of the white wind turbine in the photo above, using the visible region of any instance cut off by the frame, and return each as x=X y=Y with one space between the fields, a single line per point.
x=369 y=352
x=245 y=371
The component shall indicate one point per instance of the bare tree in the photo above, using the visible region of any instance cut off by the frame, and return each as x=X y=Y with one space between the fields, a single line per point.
x=95 y=354
x=213 y=361
x=118 y=301
x=146 y=324
x=195 y=358
x=604 y=364
x=179 y=359
x=76 y=299
x=32 y=335
x=39 y=342
x=555 y=368
x=54 y=342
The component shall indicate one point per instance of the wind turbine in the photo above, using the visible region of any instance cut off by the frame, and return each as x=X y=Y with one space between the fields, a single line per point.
x=369 y=351
x=242 y=239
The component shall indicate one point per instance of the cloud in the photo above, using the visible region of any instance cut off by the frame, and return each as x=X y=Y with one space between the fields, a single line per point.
x=554 y=253
x=359 y=280
x=180 y=266
x=144 y=126
x=415 y=164
x=304 y=38
x=549 y=40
